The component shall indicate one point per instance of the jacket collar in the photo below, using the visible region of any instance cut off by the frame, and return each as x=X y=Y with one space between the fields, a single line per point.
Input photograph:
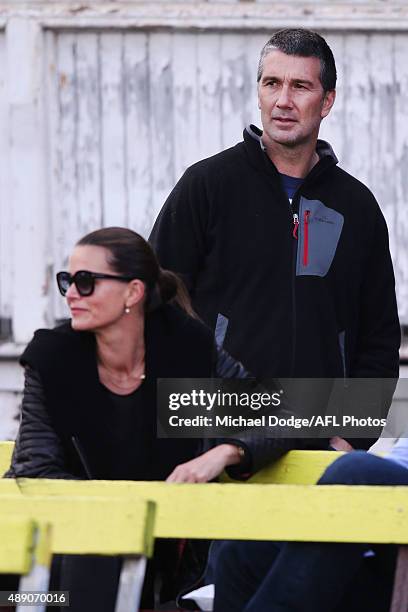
x=257 y=154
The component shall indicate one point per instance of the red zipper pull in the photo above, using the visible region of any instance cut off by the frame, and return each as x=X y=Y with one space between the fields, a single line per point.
x=295 y=225
x=306 y=238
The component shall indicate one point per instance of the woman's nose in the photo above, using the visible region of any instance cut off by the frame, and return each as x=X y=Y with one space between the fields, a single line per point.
x=72 y=291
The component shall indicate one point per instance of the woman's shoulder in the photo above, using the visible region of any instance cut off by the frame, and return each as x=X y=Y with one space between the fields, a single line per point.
x=51 y=344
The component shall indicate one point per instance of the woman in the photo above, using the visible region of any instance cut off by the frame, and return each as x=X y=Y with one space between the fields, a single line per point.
x=89 y=404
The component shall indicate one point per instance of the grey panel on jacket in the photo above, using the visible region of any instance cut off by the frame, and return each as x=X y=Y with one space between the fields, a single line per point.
x=342 y=343
x=221 y=329
x=324 y=230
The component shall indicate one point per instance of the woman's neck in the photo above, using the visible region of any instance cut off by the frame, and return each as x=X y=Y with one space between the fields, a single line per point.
x=121 y=348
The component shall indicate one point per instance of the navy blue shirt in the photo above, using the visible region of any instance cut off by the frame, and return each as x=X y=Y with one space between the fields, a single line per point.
x=290 y=184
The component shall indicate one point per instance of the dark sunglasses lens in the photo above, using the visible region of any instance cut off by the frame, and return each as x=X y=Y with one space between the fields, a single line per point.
x=84 y=282
x=63 y=281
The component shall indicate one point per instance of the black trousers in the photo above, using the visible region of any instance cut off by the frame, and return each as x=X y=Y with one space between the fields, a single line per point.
x=312 y=577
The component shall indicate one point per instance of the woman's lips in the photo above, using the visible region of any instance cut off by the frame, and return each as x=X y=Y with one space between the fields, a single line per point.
x=75 y=310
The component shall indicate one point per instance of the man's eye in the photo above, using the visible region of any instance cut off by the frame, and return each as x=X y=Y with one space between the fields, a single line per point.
x=300 y=86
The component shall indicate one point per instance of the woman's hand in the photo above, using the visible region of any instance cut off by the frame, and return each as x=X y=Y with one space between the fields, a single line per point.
x=207 y=466
x=340 y=444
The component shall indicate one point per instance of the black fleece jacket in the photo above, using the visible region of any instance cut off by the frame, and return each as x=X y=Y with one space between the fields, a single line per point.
x=318 y=301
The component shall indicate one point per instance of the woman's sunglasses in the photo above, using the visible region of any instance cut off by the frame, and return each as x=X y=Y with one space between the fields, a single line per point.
x=84 y=281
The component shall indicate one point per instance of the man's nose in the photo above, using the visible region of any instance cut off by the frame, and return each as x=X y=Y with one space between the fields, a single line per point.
x=284 y=98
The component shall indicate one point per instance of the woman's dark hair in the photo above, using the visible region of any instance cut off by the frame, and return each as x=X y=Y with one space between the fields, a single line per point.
x=131 y=255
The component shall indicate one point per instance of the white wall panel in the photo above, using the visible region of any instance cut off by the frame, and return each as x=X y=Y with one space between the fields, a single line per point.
x=112 y=122
x=186 y=95
x=6 y=243
x=399 y=176
x=129 y=110
x=138 y=134
x=101 y=112
x=209 y=94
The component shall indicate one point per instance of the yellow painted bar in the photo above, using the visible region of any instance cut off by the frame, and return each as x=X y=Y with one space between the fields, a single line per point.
x=6 y=450
x=9 y=486
x=295 y=467
x=96 y=525
x=257 y=512
x=43 y=551
x=16 y=544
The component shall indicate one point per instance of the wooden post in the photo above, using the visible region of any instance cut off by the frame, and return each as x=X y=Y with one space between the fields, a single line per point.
x=27 y=180
x=400 y=593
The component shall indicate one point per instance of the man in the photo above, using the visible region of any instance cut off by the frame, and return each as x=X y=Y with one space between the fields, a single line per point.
x=286 y=255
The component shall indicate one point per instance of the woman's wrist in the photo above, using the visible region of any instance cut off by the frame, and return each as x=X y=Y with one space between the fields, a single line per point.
x=232 y=453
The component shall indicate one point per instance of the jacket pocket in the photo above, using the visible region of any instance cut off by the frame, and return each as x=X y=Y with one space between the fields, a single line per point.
x=319 y=233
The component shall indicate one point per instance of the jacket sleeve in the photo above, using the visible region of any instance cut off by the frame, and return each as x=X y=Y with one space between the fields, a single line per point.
x=260 y=450
x=179 y=233
x=379 y=334
x=38 y=452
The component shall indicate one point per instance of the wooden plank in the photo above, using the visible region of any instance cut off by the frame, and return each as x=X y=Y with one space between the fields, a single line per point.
x=356 y=159
x=83 y=525
x=17 y=544
x=185 y=75
x=252 y=49
x=67 y=216
x=88 y=132
x=333 y=127
x=130 y=584
x=209 y=94
x=114 y=193
x=6 y=242
x=234 y=79
x=138 y=132
x=296 y=467
x=6 y=450
x=400 y=594
x=61 y=111
x=399 y=175
x=382 y=129
x=161 y=109
x=227 y=15
x=266 y=512
x=27 y=198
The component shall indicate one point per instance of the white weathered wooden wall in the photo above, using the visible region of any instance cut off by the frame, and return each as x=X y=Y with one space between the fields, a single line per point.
x=128 y=111
x=104 y=104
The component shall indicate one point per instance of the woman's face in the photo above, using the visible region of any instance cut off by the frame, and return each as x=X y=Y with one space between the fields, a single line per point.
x=106 y=305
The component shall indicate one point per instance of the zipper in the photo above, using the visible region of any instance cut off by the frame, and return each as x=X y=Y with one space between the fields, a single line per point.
x=306 y=237
x=295 y=217
x=295 y=225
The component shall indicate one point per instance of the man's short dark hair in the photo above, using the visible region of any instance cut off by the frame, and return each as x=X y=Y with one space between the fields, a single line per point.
x=304 y=43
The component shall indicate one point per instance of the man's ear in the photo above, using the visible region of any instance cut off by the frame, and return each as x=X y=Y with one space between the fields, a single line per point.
x=328 y=101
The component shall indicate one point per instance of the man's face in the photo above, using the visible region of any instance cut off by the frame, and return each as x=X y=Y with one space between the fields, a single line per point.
x=291 y=99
